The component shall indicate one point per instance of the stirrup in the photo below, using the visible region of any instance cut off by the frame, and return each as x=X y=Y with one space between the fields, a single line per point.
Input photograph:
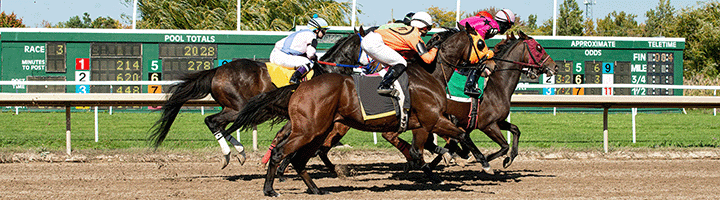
x=387 y=91
x=472 y=92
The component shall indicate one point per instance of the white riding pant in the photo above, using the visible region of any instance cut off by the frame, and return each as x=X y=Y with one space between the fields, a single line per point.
x=374 y=46
x=288 y=61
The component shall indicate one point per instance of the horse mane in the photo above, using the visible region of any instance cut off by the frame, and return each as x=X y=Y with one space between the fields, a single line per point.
x=502 y=48
x=440 y=37
x=334 y=49
x=335 y=53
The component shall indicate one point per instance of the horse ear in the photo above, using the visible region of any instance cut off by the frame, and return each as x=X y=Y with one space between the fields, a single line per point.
x=460 y=26
x=362 y=31
x=513 y=35
x=470 y=29
x=522 y=35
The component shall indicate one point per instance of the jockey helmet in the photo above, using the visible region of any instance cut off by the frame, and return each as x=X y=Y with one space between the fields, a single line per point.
x=317 y=23
x=505 y=15
x=421 y=20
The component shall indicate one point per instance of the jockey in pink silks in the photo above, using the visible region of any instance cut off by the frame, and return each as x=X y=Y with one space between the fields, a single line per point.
x=487 y=26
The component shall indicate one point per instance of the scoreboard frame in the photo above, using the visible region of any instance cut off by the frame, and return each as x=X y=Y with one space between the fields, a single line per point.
x=154 y=55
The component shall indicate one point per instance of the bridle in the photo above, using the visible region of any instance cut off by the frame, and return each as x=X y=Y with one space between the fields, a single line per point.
x=534 y=63
x=367 y=67
x=465 y=62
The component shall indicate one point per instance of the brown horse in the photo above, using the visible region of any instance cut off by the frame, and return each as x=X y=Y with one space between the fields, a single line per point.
x=232 y=84
x=316 y=105
x=516 y=59
x=518 y=55
x=340 y=130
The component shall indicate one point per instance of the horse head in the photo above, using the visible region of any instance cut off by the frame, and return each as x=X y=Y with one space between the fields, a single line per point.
x=534 y=59
x=463 y=48
x=345 y=51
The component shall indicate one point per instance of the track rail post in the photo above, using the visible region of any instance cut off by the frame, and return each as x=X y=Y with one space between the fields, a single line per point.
x=68 y=150
x=606 y=108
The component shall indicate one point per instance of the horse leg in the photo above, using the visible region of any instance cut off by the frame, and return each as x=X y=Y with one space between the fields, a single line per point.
x=239 y=147
x=299 y=161
x=504 y=125
x=460 y=155
x=339 y=130
x=277 y=156
x=494 y=133
x=282 y=168
x=420 y=138
x=446 y=127
x=443 y=154
x=279 y=137
x=216 y=123
x=400 y=144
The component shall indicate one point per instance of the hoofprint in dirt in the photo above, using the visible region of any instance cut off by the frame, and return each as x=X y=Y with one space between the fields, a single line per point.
x=642 y=174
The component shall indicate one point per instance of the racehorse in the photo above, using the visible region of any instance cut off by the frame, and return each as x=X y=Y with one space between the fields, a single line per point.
x=494 y=107
x=314 y=106
x=517 y=56
x=232 y=84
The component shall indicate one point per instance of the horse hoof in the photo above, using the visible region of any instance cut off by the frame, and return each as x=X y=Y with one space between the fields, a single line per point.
x=227 y=161
x=488 y=170
x=319 y=192
x=461 y=162
x=507 y=162
x=447 y=158
x=272 y=193
x=241 y=158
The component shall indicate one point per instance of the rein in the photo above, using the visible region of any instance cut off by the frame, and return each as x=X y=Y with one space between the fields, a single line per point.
x=528 y=64
x=466 y=60
x=367 y=67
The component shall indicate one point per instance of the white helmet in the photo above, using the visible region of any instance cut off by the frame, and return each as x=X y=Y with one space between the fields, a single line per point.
x=421 y=20
x=317 y=23
x=505 y=15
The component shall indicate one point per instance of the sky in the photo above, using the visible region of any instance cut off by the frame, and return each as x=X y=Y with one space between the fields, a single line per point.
x=375 y=12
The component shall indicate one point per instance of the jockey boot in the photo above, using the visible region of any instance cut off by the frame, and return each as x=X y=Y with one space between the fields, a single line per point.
x=471 y=84
x=299 y=73
x=393 y=73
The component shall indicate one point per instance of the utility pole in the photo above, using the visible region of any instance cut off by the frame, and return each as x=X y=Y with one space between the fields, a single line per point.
x=588 y=8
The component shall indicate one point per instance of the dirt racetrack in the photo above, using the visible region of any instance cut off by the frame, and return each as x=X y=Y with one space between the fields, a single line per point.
x=668 y=174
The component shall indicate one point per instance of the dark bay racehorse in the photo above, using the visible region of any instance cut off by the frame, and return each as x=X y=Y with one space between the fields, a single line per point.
x=316 y=105
x=514 y=56
x=232 y=84
x=339 y=130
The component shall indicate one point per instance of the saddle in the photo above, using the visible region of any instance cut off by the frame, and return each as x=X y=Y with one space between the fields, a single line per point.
x=455 y=92
x=280 y=75
x=374 y=106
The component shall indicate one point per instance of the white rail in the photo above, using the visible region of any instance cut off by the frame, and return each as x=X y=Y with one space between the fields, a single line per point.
x=520 y=86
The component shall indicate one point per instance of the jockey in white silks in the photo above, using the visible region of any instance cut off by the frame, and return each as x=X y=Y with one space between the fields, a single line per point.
x=297 y=50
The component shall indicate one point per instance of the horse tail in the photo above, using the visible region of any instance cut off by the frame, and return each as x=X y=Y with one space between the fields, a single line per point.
x=192 y=86
x=271 y=105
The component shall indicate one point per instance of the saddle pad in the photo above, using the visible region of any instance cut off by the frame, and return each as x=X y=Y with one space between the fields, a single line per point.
x=456 y=87
x=280 y=75
x=373 y=105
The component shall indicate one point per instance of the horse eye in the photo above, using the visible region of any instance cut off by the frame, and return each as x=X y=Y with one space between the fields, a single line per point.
x=481 y=44
x=539 y=48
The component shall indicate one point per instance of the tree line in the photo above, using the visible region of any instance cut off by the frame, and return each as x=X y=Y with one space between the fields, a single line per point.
x=699 y=25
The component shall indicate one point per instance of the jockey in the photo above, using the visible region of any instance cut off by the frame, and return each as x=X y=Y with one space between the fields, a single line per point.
x=297 y=50
x=387 y=45
x=487 y=26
